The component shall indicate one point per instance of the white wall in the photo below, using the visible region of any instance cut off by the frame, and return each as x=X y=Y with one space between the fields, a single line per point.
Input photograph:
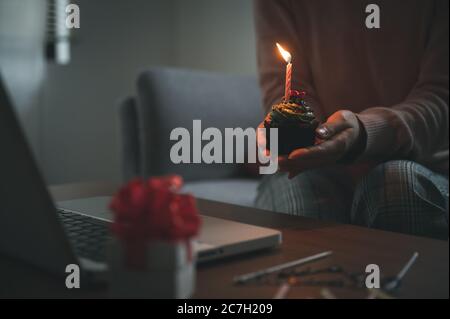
x=216 y=35
x=116 y=40
x=22 y=29
x=73 y=120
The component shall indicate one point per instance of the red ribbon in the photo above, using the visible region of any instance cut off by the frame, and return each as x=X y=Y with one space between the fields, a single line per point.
x=153 y=210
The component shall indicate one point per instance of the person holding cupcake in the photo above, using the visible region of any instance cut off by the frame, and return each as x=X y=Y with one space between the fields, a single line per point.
x=378 y=104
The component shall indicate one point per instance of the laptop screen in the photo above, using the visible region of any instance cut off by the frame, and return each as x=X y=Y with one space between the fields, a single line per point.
x=29 y=228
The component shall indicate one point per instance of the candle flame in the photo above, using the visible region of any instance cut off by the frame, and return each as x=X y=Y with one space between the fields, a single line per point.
x=286 y=55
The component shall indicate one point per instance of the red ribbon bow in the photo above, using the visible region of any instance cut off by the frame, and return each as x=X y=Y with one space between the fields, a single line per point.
x=153 y=210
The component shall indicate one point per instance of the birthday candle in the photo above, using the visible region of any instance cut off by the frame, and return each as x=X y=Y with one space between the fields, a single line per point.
x=287 y=91
x=288 y=58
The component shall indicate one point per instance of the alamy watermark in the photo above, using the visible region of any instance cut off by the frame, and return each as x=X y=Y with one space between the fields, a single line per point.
x=373 y=276
x=72 y=16
x=230 y=147
x=373 y=19
x=73 y=277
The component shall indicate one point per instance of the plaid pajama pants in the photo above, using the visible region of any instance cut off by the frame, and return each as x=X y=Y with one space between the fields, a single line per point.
x=400 y=196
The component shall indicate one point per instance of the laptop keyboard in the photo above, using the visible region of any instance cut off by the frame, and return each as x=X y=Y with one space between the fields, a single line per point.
x=87 y=235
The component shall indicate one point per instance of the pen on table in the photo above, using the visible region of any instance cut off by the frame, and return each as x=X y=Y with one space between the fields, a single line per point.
x=375 y=293
x=327 y=294
x=266 y=271
x=282 y=291
x=397 y=280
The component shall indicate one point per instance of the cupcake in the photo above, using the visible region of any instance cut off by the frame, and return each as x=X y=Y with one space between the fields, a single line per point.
x=295 y=121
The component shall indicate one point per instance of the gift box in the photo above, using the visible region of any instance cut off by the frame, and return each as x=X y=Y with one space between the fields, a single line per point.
x=151 y=251
x=169 y=271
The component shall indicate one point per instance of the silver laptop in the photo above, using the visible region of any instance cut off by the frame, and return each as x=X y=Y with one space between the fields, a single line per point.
x=34 y=230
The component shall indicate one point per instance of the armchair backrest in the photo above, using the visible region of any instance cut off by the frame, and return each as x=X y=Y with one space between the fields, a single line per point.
x=171 y=98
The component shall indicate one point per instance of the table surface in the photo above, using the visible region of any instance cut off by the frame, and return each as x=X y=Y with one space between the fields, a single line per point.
x=353 y=249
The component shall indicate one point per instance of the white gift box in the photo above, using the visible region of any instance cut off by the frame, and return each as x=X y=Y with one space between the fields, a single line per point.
x=169 y=271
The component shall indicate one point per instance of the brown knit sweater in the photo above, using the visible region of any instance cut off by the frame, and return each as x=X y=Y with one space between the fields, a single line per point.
x=395 y=77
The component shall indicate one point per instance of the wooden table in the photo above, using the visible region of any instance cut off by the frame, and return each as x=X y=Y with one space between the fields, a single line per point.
x=353 y=247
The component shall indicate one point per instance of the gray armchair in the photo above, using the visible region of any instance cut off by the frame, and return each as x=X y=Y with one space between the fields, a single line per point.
x=170 y=98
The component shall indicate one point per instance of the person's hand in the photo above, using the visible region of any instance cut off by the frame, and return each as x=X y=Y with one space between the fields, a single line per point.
x=339 y=136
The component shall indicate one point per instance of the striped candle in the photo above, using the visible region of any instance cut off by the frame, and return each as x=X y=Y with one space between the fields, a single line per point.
x=287 y=91
x=288 y=58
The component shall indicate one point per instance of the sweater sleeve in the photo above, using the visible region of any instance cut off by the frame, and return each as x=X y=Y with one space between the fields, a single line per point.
x=417 y=128
x=274 y=22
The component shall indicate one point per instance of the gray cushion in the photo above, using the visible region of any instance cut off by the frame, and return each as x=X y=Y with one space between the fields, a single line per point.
x=235 y=191
x=170 y=98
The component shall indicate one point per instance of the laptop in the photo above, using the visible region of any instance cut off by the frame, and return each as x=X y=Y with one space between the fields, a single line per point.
x=49 y=236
